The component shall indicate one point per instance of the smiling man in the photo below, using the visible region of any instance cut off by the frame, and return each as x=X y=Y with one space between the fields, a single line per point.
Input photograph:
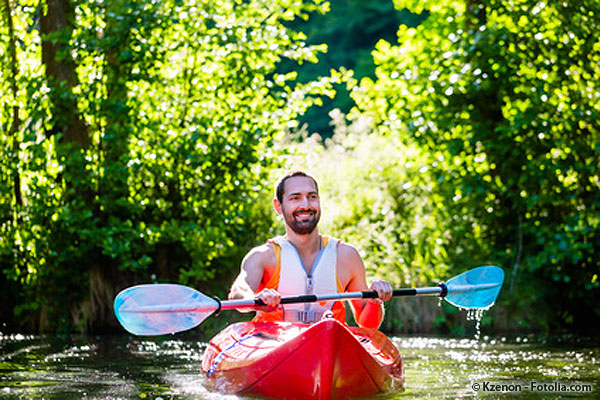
x=305 y=262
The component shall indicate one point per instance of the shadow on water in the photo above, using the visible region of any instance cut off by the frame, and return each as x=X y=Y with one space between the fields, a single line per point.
x=126 y=367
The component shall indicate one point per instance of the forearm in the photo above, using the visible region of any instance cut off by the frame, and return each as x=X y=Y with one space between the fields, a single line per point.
x=371 y=314
x=240 y=290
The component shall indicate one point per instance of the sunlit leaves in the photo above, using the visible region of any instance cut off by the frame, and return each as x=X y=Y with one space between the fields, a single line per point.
x=182 y=101
x=504 y=93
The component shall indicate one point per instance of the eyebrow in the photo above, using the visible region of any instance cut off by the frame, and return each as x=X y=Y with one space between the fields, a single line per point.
x=297 y=193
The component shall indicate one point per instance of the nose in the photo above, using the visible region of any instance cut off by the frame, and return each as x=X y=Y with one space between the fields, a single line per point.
x=304 y=202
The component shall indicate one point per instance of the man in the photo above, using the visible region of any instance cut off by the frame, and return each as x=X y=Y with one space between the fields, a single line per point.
x=304 y=262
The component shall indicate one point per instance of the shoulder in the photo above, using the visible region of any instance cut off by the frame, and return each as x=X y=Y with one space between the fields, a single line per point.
x=350 y=258
x=348 y=253
x=262 y=255
x=350 y=267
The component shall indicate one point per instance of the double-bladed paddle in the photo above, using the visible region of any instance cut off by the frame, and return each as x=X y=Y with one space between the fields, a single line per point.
x=158 y=309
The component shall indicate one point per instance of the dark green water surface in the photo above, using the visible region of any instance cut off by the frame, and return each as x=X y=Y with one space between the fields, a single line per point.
x=127 y=367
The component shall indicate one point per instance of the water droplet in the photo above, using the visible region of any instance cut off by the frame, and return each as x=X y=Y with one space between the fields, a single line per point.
x=476 y=315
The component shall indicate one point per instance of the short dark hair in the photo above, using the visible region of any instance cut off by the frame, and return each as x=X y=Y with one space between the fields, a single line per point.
x=280 y=187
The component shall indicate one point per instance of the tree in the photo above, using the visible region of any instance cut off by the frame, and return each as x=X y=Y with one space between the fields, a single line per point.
x=502 y=96
x=144 y=144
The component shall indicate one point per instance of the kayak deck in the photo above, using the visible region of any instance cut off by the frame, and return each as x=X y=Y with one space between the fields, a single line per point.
x=327 y=360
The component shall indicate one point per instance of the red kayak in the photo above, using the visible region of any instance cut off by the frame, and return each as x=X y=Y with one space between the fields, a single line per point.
x=326 y=360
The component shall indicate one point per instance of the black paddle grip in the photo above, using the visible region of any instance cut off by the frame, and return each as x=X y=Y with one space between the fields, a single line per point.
x=371 y=294
x=309 y=298
x=405 y=292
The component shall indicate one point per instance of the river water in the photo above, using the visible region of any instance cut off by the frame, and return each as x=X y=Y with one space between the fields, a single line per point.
x=127 y=367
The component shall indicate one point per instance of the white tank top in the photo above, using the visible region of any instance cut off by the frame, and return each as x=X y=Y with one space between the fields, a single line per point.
x=295 y=281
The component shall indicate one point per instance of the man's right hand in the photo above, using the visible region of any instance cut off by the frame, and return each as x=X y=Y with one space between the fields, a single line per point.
x=270 y=297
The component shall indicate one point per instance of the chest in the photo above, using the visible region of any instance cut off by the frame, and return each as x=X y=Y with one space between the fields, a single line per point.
x=308 y=262
x=305 y=267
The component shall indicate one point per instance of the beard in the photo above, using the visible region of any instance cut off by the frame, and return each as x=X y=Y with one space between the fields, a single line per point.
x=304 y=225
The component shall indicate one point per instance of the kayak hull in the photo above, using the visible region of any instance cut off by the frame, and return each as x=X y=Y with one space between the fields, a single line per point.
x=326 y=360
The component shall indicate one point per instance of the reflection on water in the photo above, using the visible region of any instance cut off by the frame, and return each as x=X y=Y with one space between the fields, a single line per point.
x=126 y=367
x=524 y=368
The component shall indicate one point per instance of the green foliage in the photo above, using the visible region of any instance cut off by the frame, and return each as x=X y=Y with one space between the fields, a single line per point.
x=502 y=98
x=144 y=144
x=139 y=140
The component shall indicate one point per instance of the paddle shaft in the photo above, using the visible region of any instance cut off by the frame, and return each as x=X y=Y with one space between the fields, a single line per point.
x=308 y=298
x=312 y=298
x=157 y=309
x=440 y=291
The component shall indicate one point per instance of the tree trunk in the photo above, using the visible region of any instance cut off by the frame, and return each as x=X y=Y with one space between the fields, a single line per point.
x=56 y=25
x=16 y=121
x=66 y=282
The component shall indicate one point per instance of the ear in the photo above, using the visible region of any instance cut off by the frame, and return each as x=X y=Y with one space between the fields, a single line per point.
x=277 y=206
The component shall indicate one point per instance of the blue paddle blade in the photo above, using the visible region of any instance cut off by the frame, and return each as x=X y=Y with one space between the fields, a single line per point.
x=158 y=309
x=475 y=289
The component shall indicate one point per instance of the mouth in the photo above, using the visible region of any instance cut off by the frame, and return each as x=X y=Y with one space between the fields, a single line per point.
x=304 y=214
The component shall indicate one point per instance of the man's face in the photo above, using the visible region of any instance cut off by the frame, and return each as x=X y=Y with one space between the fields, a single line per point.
x=300 y=207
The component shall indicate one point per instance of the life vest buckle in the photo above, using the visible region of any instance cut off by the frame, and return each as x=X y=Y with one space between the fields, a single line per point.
x=327 y=315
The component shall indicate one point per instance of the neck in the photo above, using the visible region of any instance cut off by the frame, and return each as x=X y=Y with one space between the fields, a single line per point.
x=304 y=243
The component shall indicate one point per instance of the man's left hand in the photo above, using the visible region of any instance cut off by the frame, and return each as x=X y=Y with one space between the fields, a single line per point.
x=384 y=289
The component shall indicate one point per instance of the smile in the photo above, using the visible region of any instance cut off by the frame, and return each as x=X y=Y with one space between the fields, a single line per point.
x=304 y=214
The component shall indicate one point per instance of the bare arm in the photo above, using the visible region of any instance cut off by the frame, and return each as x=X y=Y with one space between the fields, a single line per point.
x=253 y=270
x=250 y=276
x=367 y=313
